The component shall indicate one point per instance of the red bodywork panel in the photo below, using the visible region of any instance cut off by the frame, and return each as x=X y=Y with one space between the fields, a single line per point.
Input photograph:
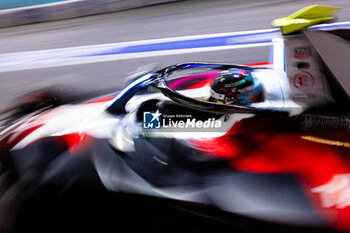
x=314 y=159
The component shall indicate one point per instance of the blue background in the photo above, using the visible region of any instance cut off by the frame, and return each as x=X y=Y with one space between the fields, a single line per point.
x=7 y=4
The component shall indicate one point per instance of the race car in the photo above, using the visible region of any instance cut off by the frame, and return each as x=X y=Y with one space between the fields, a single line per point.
x=266 y=144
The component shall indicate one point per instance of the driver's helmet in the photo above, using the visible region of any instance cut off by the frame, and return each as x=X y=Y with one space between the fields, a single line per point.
x=235 y=86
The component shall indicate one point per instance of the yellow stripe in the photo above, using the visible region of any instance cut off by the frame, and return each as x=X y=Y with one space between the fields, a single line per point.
x=326 y=141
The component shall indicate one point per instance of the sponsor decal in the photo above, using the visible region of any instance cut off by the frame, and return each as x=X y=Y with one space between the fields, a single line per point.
x=235 y=84
x=302 y=52
x=335 y=193
x=303 y=80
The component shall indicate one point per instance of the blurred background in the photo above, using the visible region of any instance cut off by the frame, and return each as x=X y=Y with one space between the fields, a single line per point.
x=50 y=42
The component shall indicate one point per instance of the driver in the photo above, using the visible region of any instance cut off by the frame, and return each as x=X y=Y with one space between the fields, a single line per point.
x=236 y=86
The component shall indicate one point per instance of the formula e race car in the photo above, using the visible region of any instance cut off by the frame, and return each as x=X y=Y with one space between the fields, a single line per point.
x=277 y=164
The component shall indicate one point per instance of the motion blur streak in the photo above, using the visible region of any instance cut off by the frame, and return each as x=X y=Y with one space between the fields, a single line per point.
x=135 y=49
x=145 y=48
x=278 y=54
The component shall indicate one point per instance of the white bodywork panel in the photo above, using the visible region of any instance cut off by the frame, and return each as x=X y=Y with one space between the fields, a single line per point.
x=308 y=83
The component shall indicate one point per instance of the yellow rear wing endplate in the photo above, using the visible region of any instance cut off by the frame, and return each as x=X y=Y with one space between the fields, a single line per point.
x=305 y=17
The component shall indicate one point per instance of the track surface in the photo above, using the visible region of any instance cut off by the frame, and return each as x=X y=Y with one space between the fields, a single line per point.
x=185 y=18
